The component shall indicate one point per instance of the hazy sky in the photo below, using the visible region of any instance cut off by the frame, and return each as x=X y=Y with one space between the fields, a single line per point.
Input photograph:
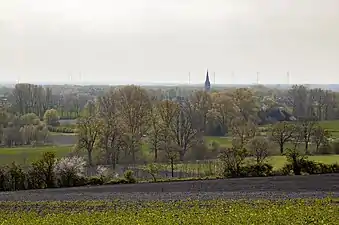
x=133 y=41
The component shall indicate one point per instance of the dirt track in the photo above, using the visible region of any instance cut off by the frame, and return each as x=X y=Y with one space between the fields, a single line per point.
x=317 y=186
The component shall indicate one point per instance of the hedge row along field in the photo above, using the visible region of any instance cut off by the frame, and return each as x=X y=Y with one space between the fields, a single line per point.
x=176 y=212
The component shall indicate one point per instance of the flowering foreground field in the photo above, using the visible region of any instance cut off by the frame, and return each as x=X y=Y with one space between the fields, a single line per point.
x=324 y=211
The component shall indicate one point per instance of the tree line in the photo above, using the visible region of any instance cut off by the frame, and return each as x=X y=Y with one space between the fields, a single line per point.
x=70 y=100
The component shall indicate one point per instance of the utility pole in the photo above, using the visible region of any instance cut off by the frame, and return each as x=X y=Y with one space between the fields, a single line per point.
x=214 y=78
x=257 y=77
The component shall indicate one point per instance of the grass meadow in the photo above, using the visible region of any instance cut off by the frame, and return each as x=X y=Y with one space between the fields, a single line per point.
x=25 y=155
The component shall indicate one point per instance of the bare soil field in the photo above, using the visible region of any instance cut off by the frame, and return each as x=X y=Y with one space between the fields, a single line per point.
x=312 y=186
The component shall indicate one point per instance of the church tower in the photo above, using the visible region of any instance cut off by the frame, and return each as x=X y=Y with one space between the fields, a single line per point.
x=207 y=83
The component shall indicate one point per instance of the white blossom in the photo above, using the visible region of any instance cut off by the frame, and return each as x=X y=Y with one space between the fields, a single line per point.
x=75 y=165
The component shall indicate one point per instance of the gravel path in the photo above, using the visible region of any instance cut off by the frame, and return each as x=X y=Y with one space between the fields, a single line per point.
x=313 y=186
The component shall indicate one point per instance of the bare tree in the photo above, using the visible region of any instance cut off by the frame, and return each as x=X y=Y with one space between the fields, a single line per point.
x=306 y=128
x=171 y=152
x=154 y=138
x=89 y=129
x=202 y=102
x=185 y=130
x=242 y=132
x=134 y=109
x=282 y=133
x=320 y=136
x=168 y=110
x=223 y=109
x=112 y=128
x=259 y=148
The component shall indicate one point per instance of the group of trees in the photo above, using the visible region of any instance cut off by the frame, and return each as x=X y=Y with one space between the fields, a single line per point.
x=29 y=98
x=304 y=132
x=319 y=103
x=118 y=122
x=26 y=129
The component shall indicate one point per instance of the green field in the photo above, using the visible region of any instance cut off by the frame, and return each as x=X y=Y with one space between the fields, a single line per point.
x=26 y=155
x=332 y=126
x=176 y=212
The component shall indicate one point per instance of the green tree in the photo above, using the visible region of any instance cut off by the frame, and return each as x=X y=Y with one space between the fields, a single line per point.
x=88 y=128
x=134 y=110
x=51 y=117
x=30 y=119
x=112 y=131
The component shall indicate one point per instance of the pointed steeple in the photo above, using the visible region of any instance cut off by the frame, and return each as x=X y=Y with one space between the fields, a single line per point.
x=207 y=83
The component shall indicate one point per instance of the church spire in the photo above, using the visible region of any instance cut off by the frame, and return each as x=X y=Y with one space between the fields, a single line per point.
x=207 y=82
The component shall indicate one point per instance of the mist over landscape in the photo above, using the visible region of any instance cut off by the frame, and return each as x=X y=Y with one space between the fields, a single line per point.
x=151 y=41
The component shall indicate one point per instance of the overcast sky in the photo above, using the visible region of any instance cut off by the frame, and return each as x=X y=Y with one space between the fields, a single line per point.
x=133 y=41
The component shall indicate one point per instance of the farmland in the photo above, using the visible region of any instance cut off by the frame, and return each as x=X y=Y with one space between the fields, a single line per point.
x=270 y=188
x=268 y=201
x=176 y=212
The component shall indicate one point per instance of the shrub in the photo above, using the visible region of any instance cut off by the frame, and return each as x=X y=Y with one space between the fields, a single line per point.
x=61 y=129
x=17 y=178
x=321 y=168
x=311 y=167
x=295 y=159
x=286 y=170
x=35 y=179
x=258 y=170
x=42 y=172
x=153 y=170
x=95 y=180
x=70 y=171
x=232 y=159
x=104 y=173
x=4 y=180
x=117 y=181
x=128 y=175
